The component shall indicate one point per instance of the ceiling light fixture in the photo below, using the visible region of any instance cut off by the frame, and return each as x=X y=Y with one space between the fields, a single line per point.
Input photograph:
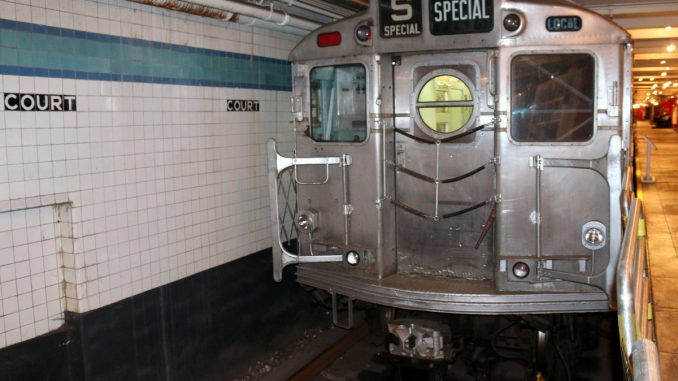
x=663 y=74
x=662 y=62
x=671 y=48
x=651 y=78
x=668 y=27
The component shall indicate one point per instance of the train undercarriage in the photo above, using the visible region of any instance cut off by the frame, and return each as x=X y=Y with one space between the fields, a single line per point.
x=405 y=345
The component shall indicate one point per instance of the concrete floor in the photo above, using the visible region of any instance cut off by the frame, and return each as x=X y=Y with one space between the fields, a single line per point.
x=661 y=213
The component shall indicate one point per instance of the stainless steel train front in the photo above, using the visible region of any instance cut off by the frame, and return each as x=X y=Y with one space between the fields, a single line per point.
x=403 y=216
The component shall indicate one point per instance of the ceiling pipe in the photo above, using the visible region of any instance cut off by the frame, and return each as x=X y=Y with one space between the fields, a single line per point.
x=315 y=5
x=320 y=11
x=265 y=14
x=192 y=9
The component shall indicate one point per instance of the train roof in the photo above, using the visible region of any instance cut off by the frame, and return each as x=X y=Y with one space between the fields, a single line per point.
x=432 y=25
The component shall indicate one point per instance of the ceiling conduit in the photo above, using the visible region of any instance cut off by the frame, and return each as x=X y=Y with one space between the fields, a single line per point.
x=243 y=12
x=320 y=11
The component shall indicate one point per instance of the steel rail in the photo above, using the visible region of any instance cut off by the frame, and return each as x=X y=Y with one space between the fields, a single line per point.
x=633 y=297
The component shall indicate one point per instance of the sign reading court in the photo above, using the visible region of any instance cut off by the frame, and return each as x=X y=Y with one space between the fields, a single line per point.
x=39 y=102
x=242 y=105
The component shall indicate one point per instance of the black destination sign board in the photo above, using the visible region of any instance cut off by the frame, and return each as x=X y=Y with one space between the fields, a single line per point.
x=461 y=16
x=400 y=18
x=563 y=23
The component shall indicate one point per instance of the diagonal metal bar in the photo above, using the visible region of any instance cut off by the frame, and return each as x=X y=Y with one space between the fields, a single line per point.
x=460 y=212
x=465 y=175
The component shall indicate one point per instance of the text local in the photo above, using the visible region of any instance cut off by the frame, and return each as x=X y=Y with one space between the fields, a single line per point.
x=459 y=10
x=563 y=23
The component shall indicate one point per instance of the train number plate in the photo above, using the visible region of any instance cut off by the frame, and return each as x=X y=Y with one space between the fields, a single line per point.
x=461 y=16
x=400 y=18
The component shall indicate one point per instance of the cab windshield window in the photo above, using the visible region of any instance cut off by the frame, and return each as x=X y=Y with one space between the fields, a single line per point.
x=552 y=98
x=338 y=104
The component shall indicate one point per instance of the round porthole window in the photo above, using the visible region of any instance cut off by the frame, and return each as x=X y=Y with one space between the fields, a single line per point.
x=444 y=103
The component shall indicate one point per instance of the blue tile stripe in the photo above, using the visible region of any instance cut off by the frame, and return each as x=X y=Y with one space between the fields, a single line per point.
x=43 y=51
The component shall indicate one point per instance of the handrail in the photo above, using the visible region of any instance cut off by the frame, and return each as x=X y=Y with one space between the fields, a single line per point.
x=276 y=164
x=628 y=191
x=633 y=302
x=645 y=361
x=648 y=179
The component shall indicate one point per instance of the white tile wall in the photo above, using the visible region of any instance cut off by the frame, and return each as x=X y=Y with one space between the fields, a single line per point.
x=162 y=182
x=31 y=273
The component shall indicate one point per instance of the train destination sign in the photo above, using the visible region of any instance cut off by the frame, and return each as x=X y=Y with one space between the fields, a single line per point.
x=461 y=16
x=400 y=18
x=563 y=23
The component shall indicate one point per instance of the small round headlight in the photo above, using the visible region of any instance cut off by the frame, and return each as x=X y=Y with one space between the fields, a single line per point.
x=363 y=33
x=594 y=236
x=303 y=222
x=352 y=258
x=512 y=22
x=521 y=270
x=306 y=220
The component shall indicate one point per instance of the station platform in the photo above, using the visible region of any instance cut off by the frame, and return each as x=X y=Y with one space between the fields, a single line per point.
x=661 y=214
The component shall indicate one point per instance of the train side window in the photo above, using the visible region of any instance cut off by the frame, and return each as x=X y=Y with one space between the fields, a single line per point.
x=552 y=97
x=338 y=103
x=445 y=103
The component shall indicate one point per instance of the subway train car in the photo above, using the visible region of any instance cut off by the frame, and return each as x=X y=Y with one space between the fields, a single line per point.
x=465 y=157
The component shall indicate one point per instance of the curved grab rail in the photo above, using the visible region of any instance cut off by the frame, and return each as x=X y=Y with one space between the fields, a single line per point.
x=633 y=302
x=276 y=164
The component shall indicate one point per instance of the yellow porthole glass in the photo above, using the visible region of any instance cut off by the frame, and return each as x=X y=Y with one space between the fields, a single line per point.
x=445 y=103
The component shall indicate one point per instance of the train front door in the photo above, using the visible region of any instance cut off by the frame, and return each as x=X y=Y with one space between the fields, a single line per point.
x=558 y=161
x=444 y=163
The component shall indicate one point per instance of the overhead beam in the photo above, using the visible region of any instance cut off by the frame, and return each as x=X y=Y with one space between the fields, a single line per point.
x=655 y=56
x=639 y=9
x=650 y=68
x=653 y=33
x=640 y=14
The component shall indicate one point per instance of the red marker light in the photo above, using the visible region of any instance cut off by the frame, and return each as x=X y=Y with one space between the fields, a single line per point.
x=329 y=39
